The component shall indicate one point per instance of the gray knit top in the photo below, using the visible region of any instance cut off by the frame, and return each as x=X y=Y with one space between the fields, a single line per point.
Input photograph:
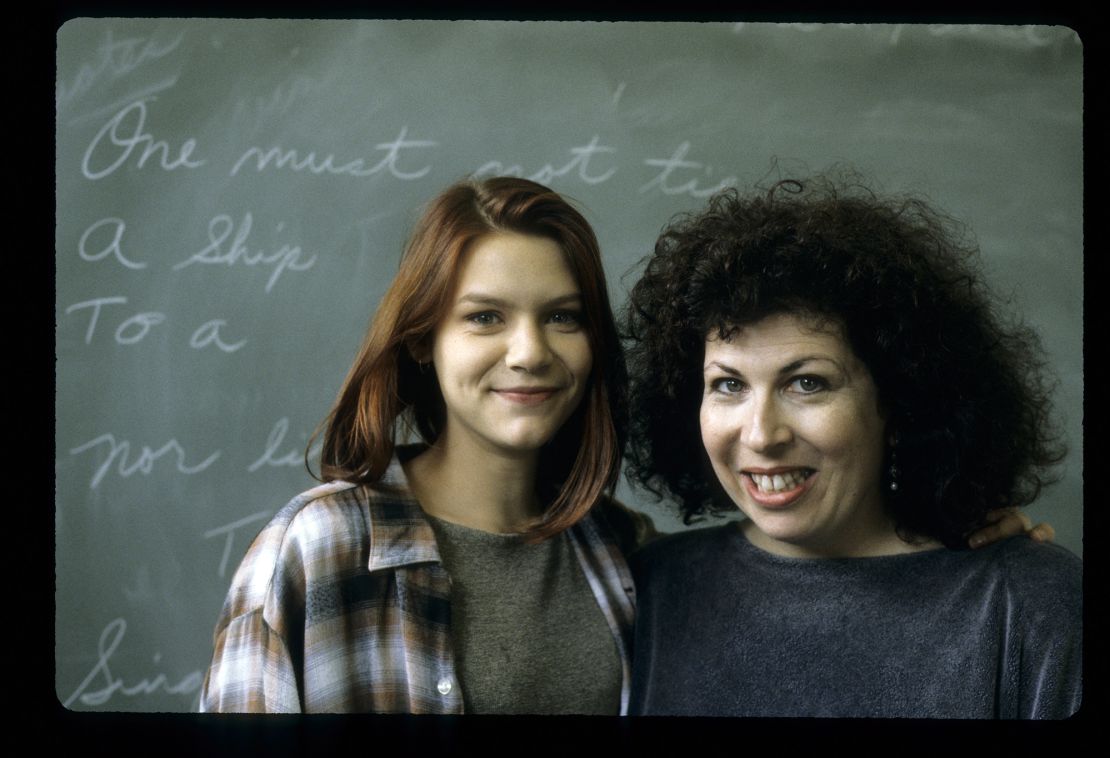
x=724 y=628
x=528 y=634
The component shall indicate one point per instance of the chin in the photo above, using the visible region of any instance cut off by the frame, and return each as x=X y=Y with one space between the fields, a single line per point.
x=794 y=535
x=532 y=434
x=526 y=442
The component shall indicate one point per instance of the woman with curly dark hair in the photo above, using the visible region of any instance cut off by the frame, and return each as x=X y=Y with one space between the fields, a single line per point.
x=831 y=363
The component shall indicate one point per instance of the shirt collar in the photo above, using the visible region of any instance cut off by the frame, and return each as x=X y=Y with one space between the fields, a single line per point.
x=400 y=534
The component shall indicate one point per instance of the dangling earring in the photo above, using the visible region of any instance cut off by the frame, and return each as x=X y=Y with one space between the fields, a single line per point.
x=894 y=471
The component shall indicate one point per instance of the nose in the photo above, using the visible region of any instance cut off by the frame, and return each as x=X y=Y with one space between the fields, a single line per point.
x=528 y=349
x=767 y=427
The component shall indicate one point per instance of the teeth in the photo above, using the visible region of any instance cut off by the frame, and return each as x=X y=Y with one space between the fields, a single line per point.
x=779 y=482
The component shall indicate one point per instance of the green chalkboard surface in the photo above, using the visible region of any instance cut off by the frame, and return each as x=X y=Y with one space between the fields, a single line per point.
x=233 y=196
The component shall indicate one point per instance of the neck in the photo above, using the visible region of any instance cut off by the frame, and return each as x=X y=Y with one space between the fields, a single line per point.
x=476 y=489
x=860 y=542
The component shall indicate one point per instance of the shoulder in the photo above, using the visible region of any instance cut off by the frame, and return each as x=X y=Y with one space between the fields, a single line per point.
x=682 y=551
x=630 y=528
x=1042 y=591
x=1042 y=584
x=321 y=511
x=324 y=528
x=1034 y=569
x=1025 y=560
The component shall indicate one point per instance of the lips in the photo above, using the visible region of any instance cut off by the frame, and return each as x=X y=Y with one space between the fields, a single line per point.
x=777 y=488
x=526 y=395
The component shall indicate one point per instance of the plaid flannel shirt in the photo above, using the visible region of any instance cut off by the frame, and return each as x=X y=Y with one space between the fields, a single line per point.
x=342 y=605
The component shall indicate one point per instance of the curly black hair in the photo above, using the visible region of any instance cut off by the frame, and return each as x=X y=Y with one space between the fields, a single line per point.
x=963 y=386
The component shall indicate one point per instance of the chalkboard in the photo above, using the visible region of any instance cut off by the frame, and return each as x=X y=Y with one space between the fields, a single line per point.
x=233 y=197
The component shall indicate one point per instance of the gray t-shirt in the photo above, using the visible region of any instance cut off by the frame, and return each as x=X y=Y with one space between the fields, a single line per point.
x=528 y=634
x=724 y=628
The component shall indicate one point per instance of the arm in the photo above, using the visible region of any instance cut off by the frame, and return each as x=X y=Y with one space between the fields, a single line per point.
x=251 y=670
x=1009 y=522
x=1047 y=593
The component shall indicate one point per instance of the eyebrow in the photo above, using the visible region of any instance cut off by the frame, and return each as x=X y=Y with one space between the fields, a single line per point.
x=787 y=369
x=478 y=298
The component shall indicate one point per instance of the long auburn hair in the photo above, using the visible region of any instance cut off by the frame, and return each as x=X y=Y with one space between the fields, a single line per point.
x=387 y=391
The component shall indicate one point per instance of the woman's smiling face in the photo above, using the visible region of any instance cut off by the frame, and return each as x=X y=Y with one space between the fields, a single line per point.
x=511 y=354
x=791 y=422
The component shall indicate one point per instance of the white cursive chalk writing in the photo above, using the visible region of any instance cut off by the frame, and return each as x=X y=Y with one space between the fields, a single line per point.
x=135 y=328
x=229 y=530
x=580 y=161
x=114 y=58
x=618 y=93
x=129 y=331
x=208 y=333
x=273 y=442
x=221 y=227
x=676 y=161
x=113 y=246
x=119 y=135
x=110 y=639
x=143 y=463
x=293 y=160
x=249 y=112
x=95 y=304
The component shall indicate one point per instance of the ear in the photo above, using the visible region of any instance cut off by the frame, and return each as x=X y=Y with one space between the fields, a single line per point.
x=421 y=350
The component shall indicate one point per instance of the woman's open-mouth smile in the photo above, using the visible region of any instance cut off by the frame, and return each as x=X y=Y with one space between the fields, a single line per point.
x=777 y=487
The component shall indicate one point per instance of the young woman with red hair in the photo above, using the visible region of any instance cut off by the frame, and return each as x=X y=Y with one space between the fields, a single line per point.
x=481 y=570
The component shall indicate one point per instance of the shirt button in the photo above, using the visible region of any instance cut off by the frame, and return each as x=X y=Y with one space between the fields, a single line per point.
x=444 y=686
